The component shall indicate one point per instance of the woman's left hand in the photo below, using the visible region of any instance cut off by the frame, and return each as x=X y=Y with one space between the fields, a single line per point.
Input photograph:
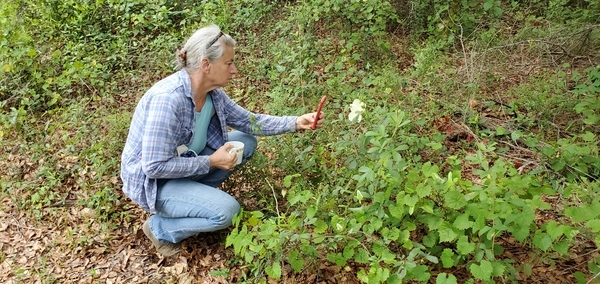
x=306 y=120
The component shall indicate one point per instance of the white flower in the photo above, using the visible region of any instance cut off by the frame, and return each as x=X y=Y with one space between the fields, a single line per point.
x=356 y=109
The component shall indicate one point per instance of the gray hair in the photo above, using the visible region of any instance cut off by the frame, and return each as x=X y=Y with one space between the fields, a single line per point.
x=197 y=48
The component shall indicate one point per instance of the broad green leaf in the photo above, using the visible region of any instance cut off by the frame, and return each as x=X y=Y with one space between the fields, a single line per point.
x=432 y=221
x=394 y=279
x=362 y=276
x=553 y=230
x=488 y=4
x=562 y=247
x=520 y=233
x=432 y=258
x=463 y=246
x=454 y=200
x=421 y=272
x=336 y=258
x=296 y=261
x=361 y=256
x=396 y=211
x=274 y=271
x=462 y=222
x=320 y=226
x=447 y=260
x=384 y=253
x=581 y=214
x=444 y=278
x=302 y=197
x=423 y=190
x=499 y=268
x=310 y=212
x=447 y=233
x=542 y=241
x=483 y=271
x=287 y=180
x=594 y=225
x=411 y=200
x=588 y=136
x=390 y=234
x=537 y=202
x=559 y=165
x=428 y=206
x=348 y=252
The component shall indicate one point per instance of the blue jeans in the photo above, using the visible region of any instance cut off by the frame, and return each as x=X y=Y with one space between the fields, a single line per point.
x=188 y=206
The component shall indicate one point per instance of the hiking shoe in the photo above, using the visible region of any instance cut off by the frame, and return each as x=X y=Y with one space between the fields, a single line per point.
x=164 y=248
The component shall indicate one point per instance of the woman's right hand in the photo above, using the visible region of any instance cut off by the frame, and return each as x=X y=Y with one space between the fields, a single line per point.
x=222 y=159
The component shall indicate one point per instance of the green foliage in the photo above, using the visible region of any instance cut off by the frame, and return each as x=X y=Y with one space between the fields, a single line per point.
x=589 y=90
x=82 y=46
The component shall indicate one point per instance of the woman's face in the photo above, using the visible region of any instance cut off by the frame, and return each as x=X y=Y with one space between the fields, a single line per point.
x=223 y=69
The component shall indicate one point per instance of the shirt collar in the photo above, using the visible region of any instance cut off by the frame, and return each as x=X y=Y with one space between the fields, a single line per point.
x=184 y=76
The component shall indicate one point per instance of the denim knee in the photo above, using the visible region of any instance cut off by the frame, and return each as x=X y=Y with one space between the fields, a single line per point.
x=225 y=217
x=250 y=144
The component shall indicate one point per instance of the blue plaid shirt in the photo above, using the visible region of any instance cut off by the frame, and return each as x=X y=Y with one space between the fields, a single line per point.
x=164 y=119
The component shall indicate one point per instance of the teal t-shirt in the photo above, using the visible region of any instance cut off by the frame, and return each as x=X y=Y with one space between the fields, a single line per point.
x=202 y=121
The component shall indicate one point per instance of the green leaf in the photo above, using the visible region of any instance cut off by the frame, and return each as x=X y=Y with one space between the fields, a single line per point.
x=361 y=256
x=542 y=241
x=384 y=253
x=488 y=5
x=287 y=180
x=562 y=247
x=483 y=271
x=336 y=258
x=310 y=212
x=447 y=260
x=432 y=221
x=302 y=197
x=500 y=131
x=444 y=278
x=594 y=225
x=462 y=222
x=588 y=136
x=397 y=211
x=421 y=272
x=221 y=272
x=274 y=271
x=320 y=226
x=581 y=214
x=447 y=233
x=348 y=252
x=390 y=234
x=463 y=246
x=559 y=165
x=553 y=230
x=499 y=268
x=423 y=190
x=455 y=200
x=296 y=261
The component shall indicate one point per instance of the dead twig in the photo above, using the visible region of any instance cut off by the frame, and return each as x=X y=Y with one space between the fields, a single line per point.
x=274 y=197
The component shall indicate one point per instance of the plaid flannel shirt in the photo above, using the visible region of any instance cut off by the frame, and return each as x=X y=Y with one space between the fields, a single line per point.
x=164 y=119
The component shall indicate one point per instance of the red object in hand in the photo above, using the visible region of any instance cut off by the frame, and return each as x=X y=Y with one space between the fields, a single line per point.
x=314 y=125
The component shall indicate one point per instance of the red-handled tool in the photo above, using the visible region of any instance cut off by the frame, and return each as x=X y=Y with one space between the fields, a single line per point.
x=321 y=103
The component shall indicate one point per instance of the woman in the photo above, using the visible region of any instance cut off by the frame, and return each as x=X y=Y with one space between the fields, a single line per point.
x=176 y=155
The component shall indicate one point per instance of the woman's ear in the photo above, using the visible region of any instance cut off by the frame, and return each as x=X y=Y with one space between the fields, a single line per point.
x=205 y=65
